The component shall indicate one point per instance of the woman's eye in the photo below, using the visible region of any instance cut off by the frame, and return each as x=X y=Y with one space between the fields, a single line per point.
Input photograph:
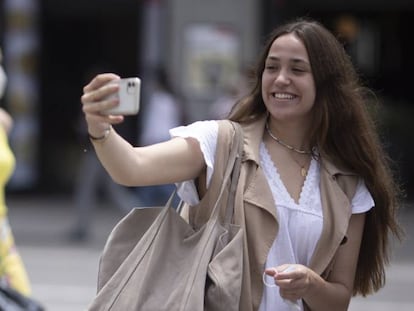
x=298 y=70
x=270 y=67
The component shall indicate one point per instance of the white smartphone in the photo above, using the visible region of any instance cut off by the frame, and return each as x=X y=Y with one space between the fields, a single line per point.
x=129 y=96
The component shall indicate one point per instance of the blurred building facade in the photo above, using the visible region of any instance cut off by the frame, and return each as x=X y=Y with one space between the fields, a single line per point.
x=203 y=44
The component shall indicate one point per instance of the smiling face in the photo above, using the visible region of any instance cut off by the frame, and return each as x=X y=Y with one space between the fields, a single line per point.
x=288 y=87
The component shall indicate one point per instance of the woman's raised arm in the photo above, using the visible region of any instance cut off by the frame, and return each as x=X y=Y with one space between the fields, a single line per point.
x=175 y=160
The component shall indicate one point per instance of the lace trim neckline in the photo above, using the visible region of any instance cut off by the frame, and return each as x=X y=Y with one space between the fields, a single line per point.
x=277 y=186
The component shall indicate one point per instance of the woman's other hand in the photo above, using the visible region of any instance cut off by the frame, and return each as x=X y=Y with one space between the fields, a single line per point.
x=293 y=280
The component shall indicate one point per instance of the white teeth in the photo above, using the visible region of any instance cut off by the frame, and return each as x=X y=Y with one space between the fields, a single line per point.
x=283 y=96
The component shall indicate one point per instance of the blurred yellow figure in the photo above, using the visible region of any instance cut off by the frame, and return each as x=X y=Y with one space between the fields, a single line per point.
x=12 y=269
x=11 y=265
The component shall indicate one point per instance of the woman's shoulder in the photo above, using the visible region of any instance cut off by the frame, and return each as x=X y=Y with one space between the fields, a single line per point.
x=6 y=121
x=196 y=128
x=205 y=132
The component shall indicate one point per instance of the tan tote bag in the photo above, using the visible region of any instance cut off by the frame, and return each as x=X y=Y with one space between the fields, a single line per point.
x=154 y=260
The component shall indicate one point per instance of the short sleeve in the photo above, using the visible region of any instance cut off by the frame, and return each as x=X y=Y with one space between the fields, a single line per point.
x=206 y=133
x=362 y=200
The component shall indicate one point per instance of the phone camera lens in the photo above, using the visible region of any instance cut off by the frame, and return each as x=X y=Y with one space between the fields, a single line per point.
x=131 y=87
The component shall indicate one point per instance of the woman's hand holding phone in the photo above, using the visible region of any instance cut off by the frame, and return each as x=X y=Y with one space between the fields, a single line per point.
x=96 y=99
x=128 y=96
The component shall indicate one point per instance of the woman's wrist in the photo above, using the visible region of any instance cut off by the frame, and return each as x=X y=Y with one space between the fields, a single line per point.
x=101 y=138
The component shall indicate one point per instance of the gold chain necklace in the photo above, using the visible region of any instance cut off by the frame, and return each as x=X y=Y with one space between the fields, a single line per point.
x=303 y=170
x=285 y=144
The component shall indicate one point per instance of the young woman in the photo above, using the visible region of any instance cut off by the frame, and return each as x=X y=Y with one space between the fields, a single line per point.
x=317 y=200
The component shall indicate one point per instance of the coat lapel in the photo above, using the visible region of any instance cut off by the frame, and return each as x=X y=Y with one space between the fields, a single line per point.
x=257 y=191
x=336 y=208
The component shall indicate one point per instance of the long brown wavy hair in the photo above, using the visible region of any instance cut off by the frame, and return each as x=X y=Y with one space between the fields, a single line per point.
x=344 y=131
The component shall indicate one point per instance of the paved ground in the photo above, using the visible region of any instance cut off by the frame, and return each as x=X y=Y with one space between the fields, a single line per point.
x=63 y=274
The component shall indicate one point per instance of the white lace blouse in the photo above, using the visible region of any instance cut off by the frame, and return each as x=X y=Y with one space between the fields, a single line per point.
x=300 y=224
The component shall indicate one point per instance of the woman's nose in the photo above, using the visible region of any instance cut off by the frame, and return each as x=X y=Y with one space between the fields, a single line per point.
x=282 y=78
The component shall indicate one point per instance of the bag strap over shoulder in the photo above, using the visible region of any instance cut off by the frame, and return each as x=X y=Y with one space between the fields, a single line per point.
x=231 y=173
x=225 y=175
x=238 y=146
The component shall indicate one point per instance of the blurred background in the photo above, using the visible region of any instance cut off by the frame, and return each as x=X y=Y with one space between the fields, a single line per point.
x=53 y=47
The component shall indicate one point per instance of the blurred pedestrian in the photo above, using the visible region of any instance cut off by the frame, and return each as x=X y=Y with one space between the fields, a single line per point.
x=230 y=94
x=12 y=269
x=93 y=184
x=95 y=188
x=162 y=112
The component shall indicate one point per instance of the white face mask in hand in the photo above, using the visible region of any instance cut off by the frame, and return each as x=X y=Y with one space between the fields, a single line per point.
x=3 y=81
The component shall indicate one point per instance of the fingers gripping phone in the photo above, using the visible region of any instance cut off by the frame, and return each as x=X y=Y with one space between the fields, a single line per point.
x=129 y=93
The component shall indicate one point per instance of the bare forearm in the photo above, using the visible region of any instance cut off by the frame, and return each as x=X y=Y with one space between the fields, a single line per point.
x=336 y=293
x=118 y=157
x=323 y=295
x=172 y=161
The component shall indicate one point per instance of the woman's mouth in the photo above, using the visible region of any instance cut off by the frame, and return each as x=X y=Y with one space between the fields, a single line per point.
x=283 y=96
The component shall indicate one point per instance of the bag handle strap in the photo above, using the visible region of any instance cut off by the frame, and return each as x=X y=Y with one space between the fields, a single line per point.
x=238 y=144
x=232 y=172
